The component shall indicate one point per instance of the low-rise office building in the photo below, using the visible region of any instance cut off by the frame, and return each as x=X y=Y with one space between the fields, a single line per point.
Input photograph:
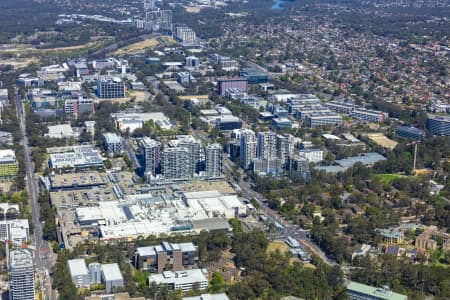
x=79 y=272
x=112 y=143
x=112 y=278
x=8 y=164
x=410 y=132
x=108 y=88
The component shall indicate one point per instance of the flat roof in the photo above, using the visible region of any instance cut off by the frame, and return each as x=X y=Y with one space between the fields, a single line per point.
x=380 y=293
x=111 y=272
x=221 y=296
x=77 y=267
x=211 y=224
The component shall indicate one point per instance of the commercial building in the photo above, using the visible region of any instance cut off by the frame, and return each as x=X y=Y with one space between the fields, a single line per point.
x=77 y=107
x=213 y=160
x=323 y=118
x=221 y=296
x=367 y=159
x=108 y=88
x=253 y=75
x=8 y=164
x=186 y=280
x=61 y=131
x=410 y=132
x=185 y=78
x=42 y=98
x=223 y=84
x=166 y=257
x=176 y=163
x=116 y=296
x=228 y=122
x=438 y=125
x=16 y=231
x=4 y=95
x=215 y=204
x=301 y=168
x=191 y=61
x=151 y=150
x=247 y=148
x=359 y=291
x=95 y=273
x=82 y=157
x=281 y=123
x=21 y=275
x=79 y=273
x=112 y=143
x=112 y=278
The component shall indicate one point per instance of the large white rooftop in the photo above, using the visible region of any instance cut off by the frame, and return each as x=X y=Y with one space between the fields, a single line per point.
x=111 y=272
x=77 y=267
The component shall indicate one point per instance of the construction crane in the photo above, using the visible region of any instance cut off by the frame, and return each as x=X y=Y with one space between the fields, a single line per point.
x=415 y=143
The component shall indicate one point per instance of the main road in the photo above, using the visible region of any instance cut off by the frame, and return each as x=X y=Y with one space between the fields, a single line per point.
x=43 y=262
x=290 y=229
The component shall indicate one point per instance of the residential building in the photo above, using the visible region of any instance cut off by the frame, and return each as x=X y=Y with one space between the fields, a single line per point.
x=79 y=272
x=312 y=155
x=108 y=88
x=410 y=132
x=185 y=34
x=223 y=84
x=359 y=291
x=165 y=257
x=186 y=280
x=112 y=278
x=285 y=147
x=176 y=163
x=21 y=275
x=152 y=154
x=438 y=125
x=357 y=112
x=267 y=143
x=268 y=166
x=112 y=143
x=213 y=160
x=8 y=164
x=194 y=151
x=323 y=118
x=149 y=4
x=300 y=166
x=157 y=20
x=247 y=148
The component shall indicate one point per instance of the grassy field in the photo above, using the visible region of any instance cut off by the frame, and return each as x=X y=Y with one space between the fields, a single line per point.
x=138 y=47
x=387 y=178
